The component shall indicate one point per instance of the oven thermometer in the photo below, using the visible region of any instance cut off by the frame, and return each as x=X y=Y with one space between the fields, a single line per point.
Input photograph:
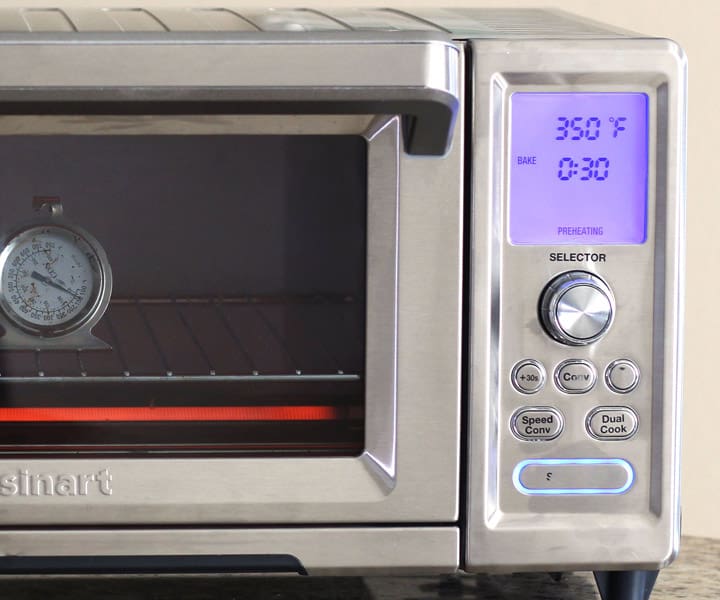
x=55 y=279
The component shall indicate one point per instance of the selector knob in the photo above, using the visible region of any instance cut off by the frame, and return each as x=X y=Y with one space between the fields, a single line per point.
x=577 y=308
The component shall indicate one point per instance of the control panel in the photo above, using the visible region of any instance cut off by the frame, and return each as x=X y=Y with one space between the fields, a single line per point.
x=576 y=309
x=578 y=178
x=573 y=363
x=576 y=379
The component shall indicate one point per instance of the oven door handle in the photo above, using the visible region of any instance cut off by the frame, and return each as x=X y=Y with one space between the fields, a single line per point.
x=414 y=75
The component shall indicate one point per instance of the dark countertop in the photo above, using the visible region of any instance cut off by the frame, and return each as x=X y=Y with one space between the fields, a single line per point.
x=693 y=576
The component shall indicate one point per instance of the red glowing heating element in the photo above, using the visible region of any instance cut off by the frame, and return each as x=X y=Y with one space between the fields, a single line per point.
x=174 y=413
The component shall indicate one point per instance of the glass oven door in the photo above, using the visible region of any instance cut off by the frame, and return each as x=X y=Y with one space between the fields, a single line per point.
x=236 y=315
x=236 y=302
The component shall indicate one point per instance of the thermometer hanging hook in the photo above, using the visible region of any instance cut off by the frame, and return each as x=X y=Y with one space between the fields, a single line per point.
x=53 y=203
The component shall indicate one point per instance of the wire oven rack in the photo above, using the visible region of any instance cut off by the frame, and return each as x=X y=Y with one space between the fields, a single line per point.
x=279 y=338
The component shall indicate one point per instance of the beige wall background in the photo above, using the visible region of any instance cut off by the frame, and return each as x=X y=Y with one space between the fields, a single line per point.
x=695 y=24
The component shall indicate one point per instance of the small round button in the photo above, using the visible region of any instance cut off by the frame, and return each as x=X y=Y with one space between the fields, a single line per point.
x=536 y=423
x=528 y=376
x=575 y=376
x=612 y=423
x=622 y=376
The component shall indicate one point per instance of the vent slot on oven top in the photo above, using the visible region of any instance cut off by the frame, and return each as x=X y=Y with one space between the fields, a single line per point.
x=236 y=321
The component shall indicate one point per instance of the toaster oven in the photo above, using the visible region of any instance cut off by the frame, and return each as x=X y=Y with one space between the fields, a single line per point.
x=344 y=291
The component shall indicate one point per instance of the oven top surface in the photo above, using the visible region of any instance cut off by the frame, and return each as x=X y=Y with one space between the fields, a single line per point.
x=459 y=23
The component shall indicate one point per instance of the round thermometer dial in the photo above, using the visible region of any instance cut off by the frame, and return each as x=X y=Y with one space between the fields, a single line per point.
x=52 y=279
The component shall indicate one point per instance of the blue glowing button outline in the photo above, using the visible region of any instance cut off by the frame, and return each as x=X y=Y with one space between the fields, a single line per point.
x=554 y=462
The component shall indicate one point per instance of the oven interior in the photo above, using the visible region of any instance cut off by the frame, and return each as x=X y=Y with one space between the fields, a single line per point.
x=237 y=317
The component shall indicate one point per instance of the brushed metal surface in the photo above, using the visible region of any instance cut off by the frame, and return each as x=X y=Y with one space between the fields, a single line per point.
x=234 y=64
x=188 y=124
x=321 y=551
x=461 y=22
x=323 y=76
x=640 y=528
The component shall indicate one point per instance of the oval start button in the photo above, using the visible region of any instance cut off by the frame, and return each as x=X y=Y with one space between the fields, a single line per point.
x=537 y=423
x=612 y=423
x=573 y=476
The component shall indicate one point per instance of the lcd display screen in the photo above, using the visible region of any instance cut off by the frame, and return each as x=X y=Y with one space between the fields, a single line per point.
x=579 y=168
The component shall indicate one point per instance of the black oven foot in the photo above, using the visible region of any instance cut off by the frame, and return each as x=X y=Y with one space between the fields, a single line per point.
x=625 y=585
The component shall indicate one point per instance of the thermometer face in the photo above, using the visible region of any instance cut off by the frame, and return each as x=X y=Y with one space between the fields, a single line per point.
x=51 y=279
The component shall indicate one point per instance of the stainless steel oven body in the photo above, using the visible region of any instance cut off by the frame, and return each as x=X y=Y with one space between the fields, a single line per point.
x=389 y=129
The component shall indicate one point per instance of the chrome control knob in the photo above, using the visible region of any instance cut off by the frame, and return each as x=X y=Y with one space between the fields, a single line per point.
x=577 y=308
